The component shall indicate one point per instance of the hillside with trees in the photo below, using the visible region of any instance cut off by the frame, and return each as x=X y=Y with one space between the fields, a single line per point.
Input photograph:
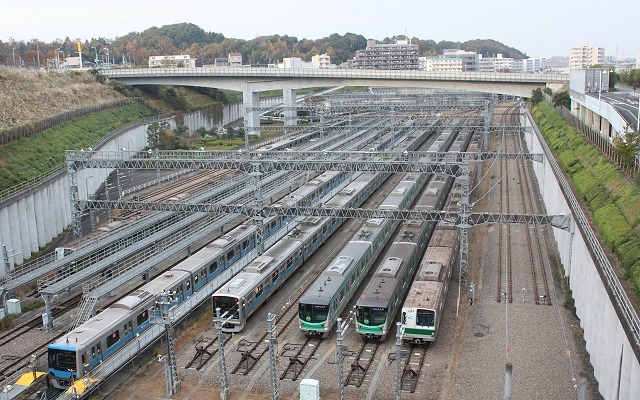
x=186 y=38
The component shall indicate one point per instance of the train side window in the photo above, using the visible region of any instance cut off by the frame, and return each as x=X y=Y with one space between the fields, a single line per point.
x=142 y=317
x=230 y=255
x=195 y=279
x=404 y=318
x=113 y=338
x=93 y=351
x=84 y=359
x=125 y=328
x=213 y=267
x=130 y=327
x=245 y=244
x=99 y=349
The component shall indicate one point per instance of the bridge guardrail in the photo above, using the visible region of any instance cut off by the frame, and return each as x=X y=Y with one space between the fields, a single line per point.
x=341 y=73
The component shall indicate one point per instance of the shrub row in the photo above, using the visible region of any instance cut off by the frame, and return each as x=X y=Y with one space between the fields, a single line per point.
x=613 y=201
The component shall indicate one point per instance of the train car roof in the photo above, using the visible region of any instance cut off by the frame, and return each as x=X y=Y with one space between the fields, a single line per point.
x=202 y=257
x=325 y=286
x=443 y=254
x=108 y=319
x=444 y=236
x=231 y=237
x=245 y=280
x=151 y=289
x=367 y=230
x=423 y=295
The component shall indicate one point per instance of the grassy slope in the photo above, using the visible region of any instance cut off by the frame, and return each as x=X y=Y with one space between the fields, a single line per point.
x=611 y=198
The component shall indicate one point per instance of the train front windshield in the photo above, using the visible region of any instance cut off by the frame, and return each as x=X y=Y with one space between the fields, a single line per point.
x=226 y=304
x=62 y=359
x=313 y=312
x=371 y=315
x=426 y=318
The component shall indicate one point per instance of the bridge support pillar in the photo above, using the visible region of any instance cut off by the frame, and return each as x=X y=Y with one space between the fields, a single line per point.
x=251 y=102
x=290 y=113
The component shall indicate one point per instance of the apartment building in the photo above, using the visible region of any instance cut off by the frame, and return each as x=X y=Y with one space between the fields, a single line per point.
x=585 y=56
x=182 y=60
x=399 y=55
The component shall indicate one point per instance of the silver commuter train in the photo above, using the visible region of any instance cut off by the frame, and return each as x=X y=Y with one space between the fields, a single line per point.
x=423 y=309
x=247 y=290
x=379 y=302
x=79 y=351
x=324 y=300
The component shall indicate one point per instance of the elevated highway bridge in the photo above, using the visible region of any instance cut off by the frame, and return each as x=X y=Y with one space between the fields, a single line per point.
x=251 y=81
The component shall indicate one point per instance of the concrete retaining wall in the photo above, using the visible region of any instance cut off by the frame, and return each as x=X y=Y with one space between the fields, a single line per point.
x=614 y=359
x=36 y=216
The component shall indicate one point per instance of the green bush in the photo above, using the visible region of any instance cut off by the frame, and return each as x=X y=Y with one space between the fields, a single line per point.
x=584 y=182
x=598 y=197
x=611 y=225
x=569 y=161
x=7 y=322
x=32 y=305
x=629 y=253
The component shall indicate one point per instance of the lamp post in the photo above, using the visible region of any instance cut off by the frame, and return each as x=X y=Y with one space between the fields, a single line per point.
x=92 y=217
x=96 y=51
x=86 y=184
x=38 y=53
x=638 y=118
x=600 y=84
x=14 y=57
x=59 y=58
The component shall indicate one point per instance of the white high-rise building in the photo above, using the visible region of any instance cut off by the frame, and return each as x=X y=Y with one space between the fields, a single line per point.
x=585 y=56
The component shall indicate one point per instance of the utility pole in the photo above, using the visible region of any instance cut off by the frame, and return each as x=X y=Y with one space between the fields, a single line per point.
x=224 y=383
x=163 y=315
x=342 y=329
x=273 y=345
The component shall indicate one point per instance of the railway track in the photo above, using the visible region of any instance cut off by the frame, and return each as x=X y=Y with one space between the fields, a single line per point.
x=13 y=341
x=360 y=365
x=299 y=355
x=413 y=364
x=504 y=284
x=538 y=271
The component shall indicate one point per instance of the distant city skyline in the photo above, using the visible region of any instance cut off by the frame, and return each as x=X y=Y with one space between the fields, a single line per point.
x=543 y=28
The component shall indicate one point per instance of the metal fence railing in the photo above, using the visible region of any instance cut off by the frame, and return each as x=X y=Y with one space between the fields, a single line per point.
x=597 y=140
x=19 y=132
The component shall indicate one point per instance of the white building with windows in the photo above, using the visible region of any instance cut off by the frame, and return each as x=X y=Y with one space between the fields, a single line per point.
x=585 y=56
x=470 y=59
x=440 y=64
x=321 y=61
x=533 y=64
x=182 y=60
x=495 y=64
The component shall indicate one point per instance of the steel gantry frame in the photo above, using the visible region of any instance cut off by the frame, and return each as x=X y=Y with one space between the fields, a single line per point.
x=257 y=163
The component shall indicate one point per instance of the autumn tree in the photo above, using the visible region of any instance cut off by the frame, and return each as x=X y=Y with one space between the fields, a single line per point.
x=155 y=133
x=627 y=146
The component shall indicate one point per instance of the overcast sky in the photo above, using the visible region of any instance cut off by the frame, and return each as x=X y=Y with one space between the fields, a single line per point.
x=539 y=28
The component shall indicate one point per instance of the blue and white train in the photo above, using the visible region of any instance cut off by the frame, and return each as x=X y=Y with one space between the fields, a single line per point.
x=79 y=351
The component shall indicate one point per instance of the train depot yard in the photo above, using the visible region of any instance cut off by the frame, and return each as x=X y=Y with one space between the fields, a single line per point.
x=316 y=289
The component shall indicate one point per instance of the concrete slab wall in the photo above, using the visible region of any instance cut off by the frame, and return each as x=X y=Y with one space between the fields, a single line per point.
x=37 y=216
x=614 y=359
